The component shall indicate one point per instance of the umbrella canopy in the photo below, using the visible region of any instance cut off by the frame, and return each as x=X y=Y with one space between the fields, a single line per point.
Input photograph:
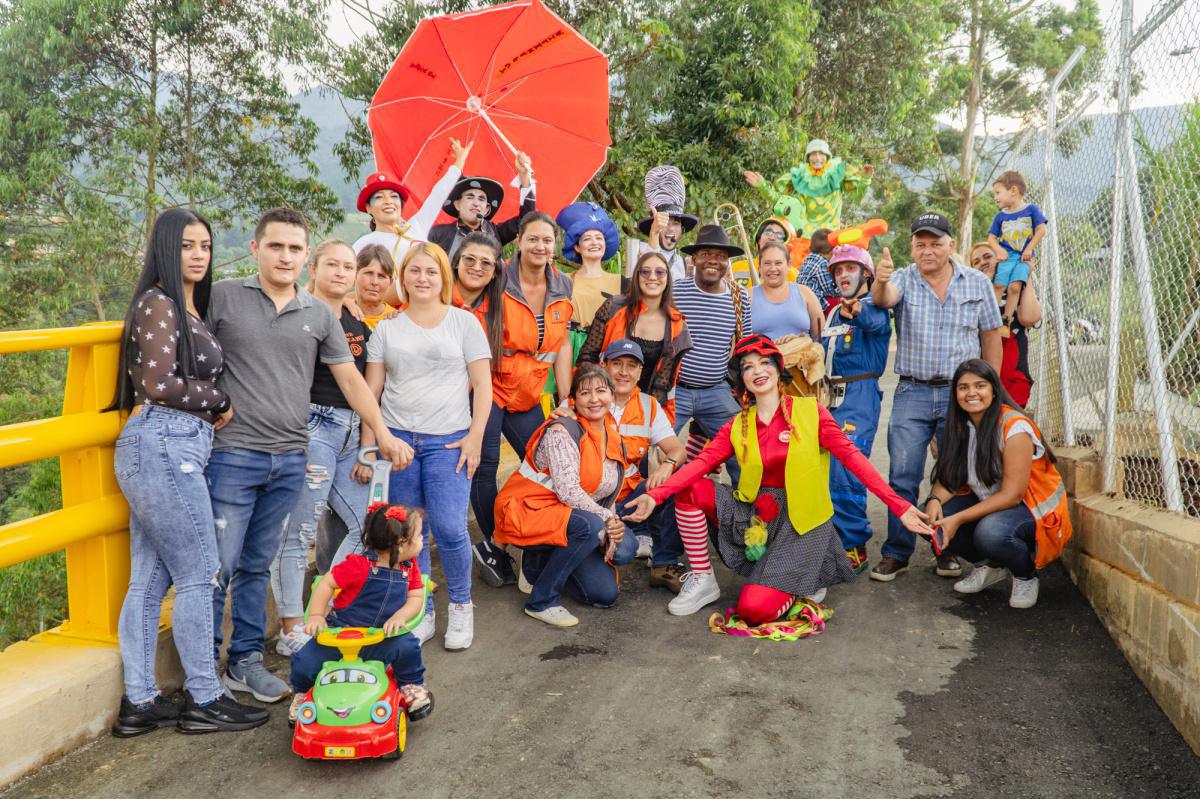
x=512 y=77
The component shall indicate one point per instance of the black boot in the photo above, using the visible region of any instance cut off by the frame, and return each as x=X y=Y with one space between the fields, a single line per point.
x=224 y=714
x=137 y=720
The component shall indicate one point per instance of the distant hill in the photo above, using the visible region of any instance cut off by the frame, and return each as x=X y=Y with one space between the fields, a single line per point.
x=330 y=113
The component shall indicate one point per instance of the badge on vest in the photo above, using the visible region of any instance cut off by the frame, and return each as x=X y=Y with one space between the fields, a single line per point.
x=785 y=436
x=557 y=318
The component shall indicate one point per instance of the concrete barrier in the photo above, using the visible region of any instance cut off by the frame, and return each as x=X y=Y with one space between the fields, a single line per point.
x=1140 y=570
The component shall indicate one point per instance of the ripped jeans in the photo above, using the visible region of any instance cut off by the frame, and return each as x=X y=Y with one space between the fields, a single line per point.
x=160 y=459
x=328 y=485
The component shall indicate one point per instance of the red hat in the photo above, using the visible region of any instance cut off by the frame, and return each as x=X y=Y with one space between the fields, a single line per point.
x=376 y=182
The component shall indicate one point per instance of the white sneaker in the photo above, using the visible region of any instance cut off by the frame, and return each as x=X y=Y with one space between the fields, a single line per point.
x=293 y=641
x=1024 y=593
x=645 y=547
x=523 y=585
x=980 y=578
x=555 y=616
x=425 y=630
x=699 y=589
x=460 y=627
x=294 y=708
x=819 y=596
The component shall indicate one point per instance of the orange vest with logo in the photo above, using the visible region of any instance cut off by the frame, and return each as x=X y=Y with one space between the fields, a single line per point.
x=528 y=512
x=614 y=329
x=1045 y=496
x=480 y=310
x=634 y=427
x=518 y=381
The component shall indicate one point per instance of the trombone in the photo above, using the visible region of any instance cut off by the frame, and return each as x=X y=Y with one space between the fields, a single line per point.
x=722 y=216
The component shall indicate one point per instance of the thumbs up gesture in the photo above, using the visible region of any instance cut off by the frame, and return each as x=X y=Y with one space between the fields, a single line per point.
x=885 y=267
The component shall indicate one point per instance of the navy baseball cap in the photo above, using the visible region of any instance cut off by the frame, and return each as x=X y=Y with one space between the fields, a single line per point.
x=624 y=347
x=932 y=222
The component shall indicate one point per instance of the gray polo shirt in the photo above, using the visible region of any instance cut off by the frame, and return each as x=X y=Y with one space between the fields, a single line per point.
x=269 y=362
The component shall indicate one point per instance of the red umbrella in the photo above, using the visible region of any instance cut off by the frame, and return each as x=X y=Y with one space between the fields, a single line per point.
x=512 y=77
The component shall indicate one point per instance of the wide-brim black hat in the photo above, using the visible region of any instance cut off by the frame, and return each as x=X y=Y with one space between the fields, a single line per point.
x=686 y=220
x=493 y=190
x=713 y=237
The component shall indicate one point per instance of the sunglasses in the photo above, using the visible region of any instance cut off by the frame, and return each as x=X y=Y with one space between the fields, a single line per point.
x=471 y=260
x=659 y=272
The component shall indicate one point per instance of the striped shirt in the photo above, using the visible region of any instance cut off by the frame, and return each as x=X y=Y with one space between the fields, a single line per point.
x=711 y=322
x=934 y=336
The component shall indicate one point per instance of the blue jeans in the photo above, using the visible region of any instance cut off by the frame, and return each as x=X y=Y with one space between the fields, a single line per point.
x=159 y=463
x=660 y=526
x=709 y=409
x=579 y=566
x=430 y=483
x=517 y=429
x=332 y=452
x=1008 y=537
x=401 y=652
x=918 y=414
x=252 y=494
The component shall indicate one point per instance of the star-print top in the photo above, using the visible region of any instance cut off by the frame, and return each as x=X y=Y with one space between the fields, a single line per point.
x=156 y=373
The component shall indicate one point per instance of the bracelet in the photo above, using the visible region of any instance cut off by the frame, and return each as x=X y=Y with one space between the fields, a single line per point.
x=931 y=498
x=671 y=461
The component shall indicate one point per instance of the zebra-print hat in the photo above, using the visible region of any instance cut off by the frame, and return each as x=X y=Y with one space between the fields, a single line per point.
x=665 y=192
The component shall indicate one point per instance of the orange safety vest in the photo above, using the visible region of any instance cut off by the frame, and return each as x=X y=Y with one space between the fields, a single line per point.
x=634 y=427
x=1045 y=496
x=528 y=512
x=614 y=329
x=518 y=382
x=480 y=310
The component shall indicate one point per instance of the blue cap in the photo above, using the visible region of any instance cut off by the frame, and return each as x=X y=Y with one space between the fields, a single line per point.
x=577 y=219
x=623 y=347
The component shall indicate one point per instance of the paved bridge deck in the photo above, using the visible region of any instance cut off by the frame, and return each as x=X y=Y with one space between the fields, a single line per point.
x=911 y=691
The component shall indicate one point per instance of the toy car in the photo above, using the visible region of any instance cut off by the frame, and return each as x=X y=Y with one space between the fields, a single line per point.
x=355 y=710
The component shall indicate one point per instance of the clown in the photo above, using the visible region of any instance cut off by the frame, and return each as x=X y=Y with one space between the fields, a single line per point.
x=811 y=196
x=383 y=197
x=775 y=528
x=474 y=201
x=666 y=196
x=856 y=339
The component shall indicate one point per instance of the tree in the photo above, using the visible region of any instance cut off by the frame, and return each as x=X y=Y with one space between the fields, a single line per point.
x=117 y=109
x=1006 y=53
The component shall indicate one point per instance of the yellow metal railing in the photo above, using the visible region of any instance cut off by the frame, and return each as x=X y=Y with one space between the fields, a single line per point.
x=93 y=523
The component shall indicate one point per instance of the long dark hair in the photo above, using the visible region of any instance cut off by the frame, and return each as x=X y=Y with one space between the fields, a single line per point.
x=383 y=533
x=162 y=268
x=634 y=294
x=950 y=469
x=494 y=291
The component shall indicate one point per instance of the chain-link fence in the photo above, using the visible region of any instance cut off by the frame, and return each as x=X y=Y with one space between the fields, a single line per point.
x=1117 y=362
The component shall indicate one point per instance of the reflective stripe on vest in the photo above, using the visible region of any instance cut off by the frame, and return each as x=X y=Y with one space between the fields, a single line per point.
x=1050 y=503
x=544 y=357
x=639 y=430
x=541 y=478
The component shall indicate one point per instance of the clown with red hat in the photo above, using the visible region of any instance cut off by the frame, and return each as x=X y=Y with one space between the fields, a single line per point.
x=383 y=197
x=775 y=527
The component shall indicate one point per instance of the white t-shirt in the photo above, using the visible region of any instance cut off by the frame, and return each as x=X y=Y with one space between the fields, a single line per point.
x=973 y=482
x=660 y=428
x=427 y=389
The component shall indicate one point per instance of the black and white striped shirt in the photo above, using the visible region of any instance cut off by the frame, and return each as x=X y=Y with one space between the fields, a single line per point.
x=710 y=321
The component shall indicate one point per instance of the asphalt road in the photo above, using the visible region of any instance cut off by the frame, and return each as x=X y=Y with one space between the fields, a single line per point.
x=912 y=691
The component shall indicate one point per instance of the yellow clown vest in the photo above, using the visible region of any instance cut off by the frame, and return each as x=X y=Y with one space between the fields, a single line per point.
x=805 y=474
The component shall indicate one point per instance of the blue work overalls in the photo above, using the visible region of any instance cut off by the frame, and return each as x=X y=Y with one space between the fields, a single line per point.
x=855 y=347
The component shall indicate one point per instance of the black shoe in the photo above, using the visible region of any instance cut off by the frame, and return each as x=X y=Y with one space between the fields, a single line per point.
x=224 y=714
x=495 y=565
x=140 y=719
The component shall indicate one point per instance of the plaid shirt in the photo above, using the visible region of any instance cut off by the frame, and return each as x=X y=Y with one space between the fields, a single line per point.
x=814 y=273
x=934 y=336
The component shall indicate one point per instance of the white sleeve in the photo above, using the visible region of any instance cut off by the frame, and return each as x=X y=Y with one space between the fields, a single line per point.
x=660 y=426
x=475 y=345
x=423 y=220
x=1022 y=426
x=377 y=343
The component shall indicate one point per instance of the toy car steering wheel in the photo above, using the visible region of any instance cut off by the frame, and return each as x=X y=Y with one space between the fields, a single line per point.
x=350 y=640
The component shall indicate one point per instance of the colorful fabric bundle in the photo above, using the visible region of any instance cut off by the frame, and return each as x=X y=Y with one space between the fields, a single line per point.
x=804 y=619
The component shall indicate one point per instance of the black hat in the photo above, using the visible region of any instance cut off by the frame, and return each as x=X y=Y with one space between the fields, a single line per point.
x=713 y=237
x=687 y=221
x=932 y=222
x=493 y=190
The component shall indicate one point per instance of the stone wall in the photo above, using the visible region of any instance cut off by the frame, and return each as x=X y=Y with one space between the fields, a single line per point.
x=1140 y=570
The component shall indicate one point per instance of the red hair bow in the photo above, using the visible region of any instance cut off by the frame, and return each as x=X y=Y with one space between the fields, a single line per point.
x=395 y=512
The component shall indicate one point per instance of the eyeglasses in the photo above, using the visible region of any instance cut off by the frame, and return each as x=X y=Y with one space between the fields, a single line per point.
x=645 y=272
x=772 y=233
x=483 y=263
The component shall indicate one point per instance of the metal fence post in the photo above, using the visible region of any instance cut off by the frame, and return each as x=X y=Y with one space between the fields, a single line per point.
x=1168 y=458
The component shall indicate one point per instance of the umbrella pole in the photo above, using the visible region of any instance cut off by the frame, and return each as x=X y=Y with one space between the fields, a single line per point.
x=496 y=129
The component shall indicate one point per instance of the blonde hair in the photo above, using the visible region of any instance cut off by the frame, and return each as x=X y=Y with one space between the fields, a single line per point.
x=439 y=256
x=317 y=253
